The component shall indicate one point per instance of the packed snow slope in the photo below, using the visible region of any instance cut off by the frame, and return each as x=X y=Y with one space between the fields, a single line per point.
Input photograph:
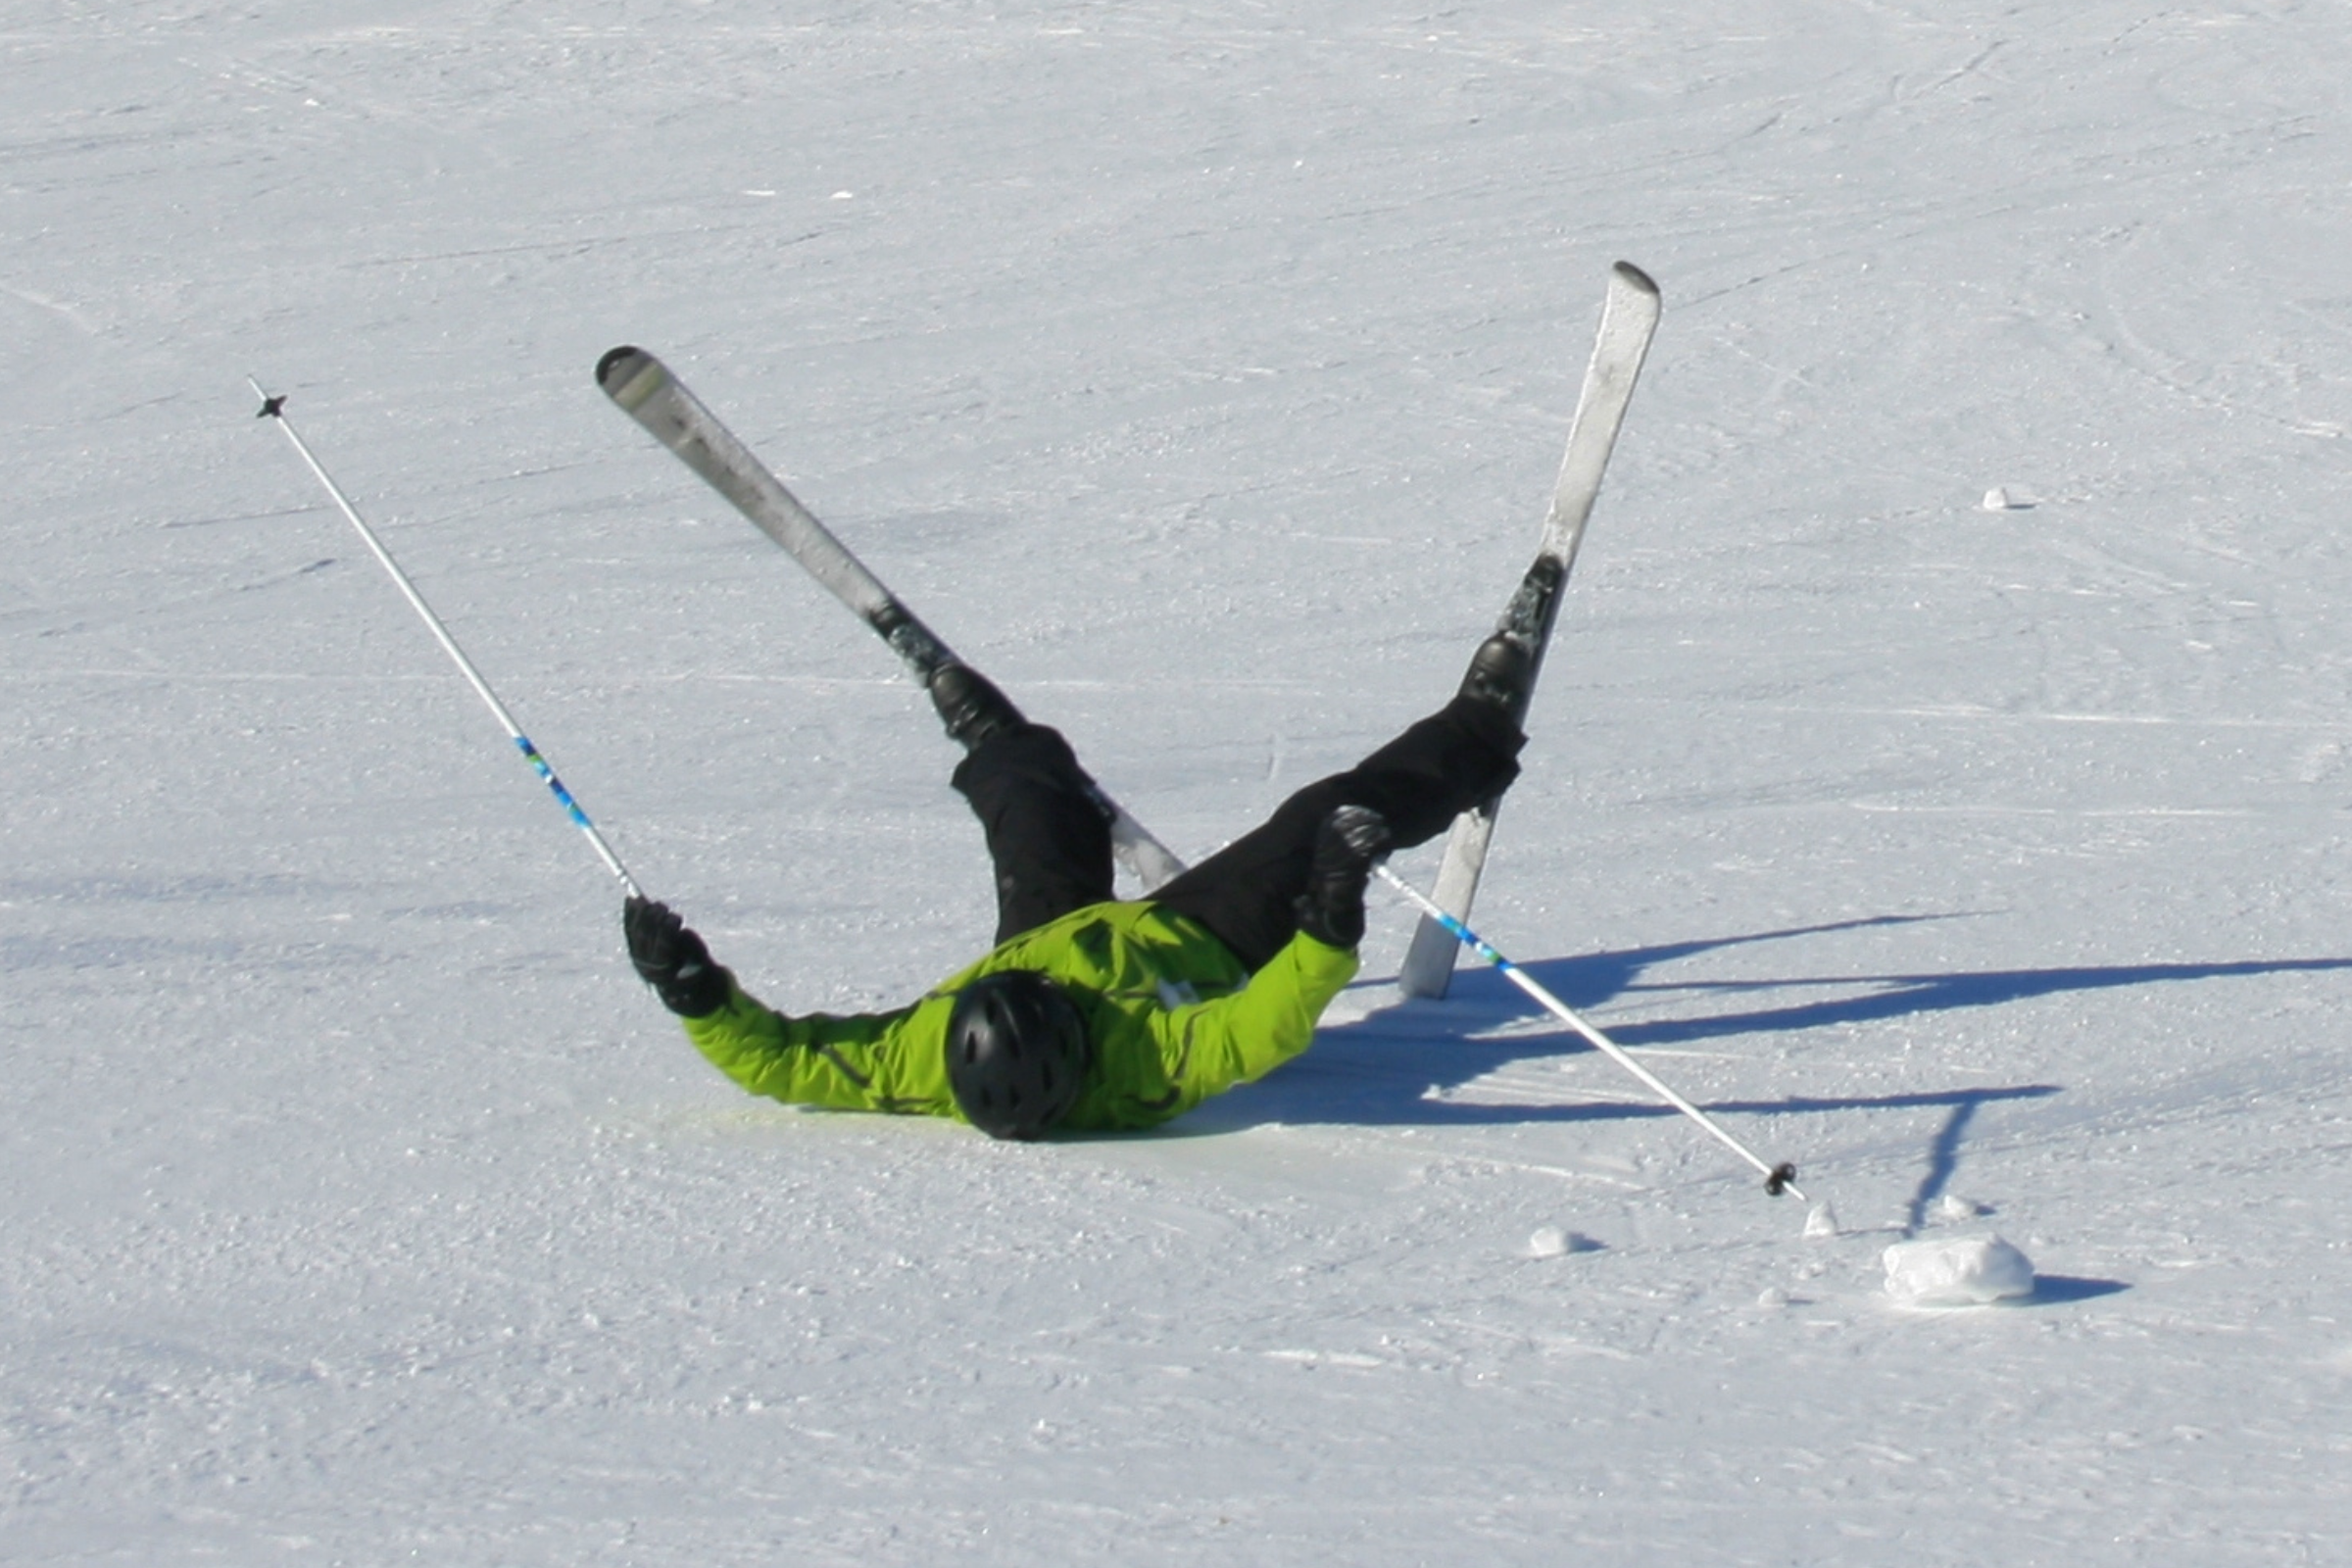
x=1200 y=371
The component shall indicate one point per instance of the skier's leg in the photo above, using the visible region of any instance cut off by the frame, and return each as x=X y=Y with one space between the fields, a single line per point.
x=1049 y=842
x=1440 y=768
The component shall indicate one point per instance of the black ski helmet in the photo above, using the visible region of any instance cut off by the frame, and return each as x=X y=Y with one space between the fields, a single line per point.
x=1017 y=1053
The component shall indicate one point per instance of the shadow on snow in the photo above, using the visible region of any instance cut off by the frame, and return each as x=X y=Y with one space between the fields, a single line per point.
x=1397 y=1065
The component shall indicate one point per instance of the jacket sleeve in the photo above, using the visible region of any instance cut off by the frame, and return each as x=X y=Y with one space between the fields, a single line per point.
x=1210 y=1048
x=863 y=1061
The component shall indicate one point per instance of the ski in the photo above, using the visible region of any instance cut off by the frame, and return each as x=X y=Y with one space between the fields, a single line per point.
x=1629 y=316
x=646 y=390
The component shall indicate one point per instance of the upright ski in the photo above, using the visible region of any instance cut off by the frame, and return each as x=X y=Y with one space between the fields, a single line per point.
x=646 y=390
x=1628 y=319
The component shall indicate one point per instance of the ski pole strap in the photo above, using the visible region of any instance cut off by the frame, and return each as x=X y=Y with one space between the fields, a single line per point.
x=275 y=408
x=1778 y=1179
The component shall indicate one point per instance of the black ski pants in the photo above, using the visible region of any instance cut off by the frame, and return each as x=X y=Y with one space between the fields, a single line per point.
x=1051 y=841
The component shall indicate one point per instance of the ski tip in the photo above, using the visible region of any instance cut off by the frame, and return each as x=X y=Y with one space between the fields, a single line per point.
x=629 y=376
x=618 y=365
x=1630 y=273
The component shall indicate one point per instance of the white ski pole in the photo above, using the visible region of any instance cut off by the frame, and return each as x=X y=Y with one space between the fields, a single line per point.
x=274 y=408
x=1778 y=1179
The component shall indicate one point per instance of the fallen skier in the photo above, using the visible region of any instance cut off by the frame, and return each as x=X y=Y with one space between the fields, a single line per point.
x=1094 y=1013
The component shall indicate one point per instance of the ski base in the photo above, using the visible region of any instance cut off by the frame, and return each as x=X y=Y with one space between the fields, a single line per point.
x=1629 y=318
x=645 y=389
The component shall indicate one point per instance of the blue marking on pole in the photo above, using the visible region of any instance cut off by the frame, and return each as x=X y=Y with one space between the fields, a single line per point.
x=562 y=796
x=1478 y=943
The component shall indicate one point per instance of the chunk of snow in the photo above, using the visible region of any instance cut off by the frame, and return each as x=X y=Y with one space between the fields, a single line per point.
x=1821 y=1222
x=1549 y=1240
x=1956 y=1271
x=2007 y=498
x=1950 y=1207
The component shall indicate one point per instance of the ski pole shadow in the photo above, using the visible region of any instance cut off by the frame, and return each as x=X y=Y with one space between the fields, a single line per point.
x=1944 y=1158
x=1401 y=1063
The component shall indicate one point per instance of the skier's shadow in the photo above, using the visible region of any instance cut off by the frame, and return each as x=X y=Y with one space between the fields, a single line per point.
x=1402 y=1064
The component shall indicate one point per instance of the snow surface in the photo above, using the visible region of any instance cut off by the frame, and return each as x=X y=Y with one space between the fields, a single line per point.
x=1199 y=368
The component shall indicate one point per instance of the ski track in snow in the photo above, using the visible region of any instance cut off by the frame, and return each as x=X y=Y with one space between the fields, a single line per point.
x=1198 y=369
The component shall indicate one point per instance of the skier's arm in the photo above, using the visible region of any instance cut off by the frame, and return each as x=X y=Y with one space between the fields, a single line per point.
x=1213 y=1047
x=864 y=1062
x=872 y=1061
x=1237 y=1039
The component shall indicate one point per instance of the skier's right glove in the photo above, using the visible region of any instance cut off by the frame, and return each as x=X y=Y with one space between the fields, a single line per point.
x=1351 y=842
x=672 y=959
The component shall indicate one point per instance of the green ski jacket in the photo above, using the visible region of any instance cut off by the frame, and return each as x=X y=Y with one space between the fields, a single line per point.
x=1173 y=1015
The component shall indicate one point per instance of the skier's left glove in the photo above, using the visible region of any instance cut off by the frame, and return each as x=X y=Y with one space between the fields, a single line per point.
x=1351 y=840
x=672 y=959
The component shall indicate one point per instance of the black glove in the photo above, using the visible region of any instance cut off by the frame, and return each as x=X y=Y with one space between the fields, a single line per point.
x=1352 y=840
x=672 y=959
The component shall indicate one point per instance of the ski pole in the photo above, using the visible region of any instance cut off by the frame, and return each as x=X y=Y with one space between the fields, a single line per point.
x=1778 y=1179
x=274 y=408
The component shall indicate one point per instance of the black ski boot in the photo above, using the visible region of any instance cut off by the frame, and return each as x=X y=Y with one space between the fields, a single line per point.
x=1498 y=673
x=970 y=705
